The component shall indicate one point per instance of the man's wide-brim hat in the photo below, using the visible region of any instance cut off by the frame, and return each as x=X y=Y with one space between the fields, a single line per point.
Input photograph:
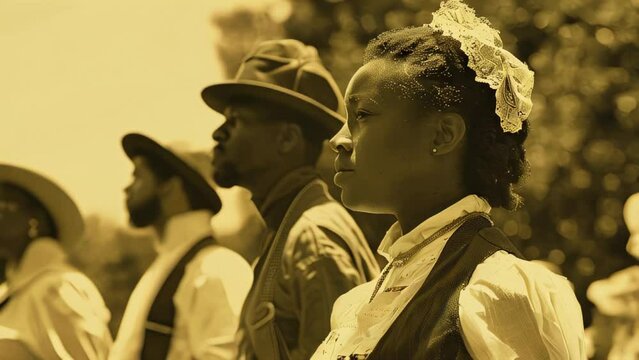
x=284 y=73
x=62 y=209
x=190 y=167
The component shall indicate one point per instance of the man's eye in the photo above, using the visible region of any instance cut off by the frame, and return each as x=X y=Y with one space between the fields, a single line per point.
x=231 y=121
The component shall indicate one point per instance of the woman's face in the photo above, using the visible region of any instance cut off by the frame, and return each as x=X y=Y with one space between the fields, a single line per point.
x=14 y=222
x=384 y=149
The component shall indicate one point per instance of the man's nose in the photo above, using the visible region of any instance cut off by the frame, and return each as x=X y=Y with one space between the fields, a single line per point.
x=220 y=134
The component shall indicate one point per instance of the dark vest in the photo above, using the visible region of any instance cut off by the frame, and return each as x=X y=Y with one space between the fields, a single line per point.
x=262 y=339
x=429 y=327
x=160 y=321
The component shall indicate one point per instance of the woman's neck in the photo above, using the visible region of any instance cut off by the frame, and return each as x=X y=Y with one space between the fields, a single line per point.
x=418 y=209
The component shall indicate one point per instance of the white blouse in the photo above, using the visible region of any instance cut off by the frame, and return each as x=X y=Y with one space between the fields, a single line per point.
x=55 y=311
x=511 y=308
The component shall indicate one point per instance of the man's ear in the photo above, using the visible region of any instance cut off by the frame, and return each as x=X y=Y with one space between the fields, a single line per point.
x=289 y=137
x=171 y=184
x=450 y=130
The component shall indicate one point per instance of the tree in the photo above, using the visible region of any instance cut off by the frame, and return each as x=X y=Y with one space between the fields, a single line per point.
x=584 y=145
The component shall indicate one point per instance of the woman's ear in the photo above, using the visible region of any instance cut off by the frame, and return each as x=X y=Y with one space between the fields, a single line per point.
x=450 y=132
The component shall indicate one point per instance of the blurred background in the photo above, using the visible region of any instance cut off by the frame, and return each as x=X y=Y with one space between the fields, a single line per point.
x=77 y=75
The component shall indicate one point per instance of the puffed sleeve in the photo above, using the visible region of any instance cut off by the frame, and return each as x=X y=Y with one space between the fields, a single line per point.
x=70 y=318
x=515 y=309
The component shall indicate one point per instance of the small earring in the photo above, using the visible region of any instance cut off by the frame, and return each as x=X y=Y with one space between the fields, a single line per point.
x=434 y=150
x=33 y=228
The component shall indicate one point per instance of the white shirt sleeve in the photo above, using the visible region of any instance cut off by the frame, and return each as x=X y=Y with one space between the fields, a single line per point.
x=515 y=309
x=208 y=304
x=69 y=319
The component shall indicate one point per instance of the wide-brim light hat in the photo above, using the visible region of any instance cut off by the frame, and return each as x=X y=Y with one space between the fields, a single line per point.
x=62 y=209
x=285 y=73
x=194 y=168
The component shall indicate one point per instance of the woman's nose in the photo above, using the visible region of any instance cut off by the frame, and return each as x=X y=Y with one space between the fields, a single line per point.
x=342 y=140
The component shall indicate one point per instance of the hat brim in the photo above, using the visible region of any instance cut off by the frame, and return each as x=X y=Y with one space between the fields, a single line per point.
x=140 y=145
x=63 y=210
x=218 y=97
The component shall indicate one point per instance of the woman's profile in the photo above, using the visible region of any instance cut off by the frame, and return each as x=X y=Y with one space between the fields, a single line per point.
x=435 y=136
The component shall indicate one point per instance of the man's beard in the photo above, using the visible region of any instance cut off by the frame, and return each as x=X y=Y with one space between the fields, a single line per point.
x=226 y=175
x=145 y=214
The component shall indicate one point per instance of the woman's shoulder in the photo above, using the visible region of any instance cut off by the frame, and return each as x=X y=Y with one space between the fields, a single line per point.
x=60 y=276
x=68 y=291
x=504 y=281
x=505 y=273
x=513 y=307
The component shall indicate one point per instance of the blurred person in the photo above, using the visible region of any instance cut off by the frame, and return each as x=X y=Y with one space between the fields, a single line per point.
x=279 y=109
x=48 y=309
x=614 y=333
x=239 y=226
x=434 y=136
x=187 y=304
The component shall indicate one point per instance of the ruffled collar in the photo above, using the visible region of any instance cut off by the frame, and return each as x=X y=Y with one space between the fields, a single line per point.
x=395 y=243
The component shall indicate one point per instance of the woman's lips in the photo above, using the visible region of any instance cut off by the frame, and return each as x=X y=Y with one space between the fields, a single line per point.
x=341 y=175
x=343 y=164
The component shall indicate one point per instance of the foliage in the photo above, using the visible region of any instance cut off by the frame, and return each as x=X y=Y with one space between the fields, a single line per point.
x=584 y=144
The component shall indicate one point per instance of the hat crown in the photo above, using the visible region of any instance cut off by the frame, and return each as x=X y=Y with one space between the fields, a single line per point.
x=200 y=161
x=292 y=65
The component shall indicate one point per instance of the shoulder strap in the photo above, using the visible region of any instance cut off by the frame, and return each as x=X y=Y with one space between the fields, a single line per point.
x=494 y=236
x=160 y=321
x=294 y=212
x=266 y=339
x=4 y=294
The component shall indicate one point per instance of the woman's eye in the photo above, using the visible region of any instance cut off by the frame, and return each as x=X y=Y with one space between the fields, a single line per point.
x=361 y=115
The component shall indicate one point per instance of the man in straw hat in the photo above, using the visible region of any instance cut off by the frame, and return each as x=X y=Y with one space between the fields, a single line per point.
x=187 y=304
x=279 y=109
x=48 y=309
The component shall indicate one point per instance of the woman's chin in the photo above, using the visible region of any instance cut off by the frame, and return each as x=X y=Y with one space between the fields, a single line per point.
x=359 y=202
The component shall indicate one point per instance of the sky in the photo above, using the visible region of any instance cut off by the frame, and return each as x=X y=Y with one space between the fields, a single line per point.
x=76 y=75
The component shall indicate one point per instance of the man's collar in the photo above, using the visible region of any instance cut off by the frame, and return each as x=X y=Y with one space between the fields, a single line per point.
x=184 y=230
x=289 y=184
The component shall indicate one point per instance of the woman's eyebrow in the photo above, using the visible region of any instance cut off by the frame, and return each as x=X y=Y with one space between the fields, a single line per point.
x=355 y=98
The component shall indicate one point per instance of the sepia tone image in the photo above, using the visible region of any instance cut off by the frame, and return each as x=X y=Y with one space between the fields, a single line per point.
x=319 y=179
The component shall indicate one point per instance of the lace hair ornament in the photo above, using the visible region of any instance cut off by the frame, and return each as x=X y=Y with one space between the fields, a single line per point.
x=495 y=66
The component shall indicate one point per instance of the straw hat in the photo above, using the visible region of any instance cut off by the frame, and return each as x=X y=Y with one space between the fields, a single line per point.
x=60 y=206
